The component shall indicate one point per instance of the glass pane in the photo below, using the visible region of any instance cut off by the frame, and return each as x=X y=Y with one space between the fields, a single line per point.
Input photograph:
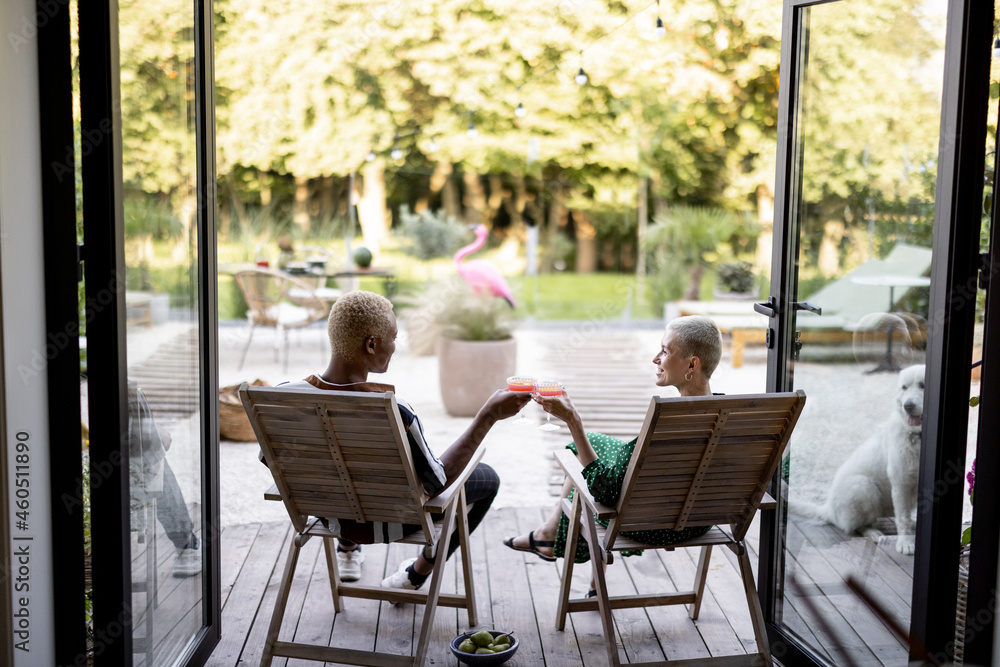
x=156 y=41
x=865 y=167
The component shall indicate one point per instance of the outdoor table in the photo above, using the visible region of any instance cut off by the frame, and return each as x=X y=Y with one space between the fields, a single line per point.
x=388 y=275
x=892 y=281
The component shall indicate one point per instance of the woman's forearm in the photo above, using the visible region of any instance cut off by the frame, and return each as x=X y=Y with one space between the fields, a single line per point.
x=584 y=451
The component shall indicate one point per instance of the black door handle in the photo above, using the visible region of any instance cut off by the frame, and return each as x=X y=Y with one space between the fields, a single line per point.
x=805 y=305
x=769 y=307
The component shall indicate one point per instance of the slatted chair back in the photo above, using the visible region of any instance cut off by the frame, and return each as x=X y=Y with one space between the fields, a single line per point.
x=337 y=454
x=704 y=460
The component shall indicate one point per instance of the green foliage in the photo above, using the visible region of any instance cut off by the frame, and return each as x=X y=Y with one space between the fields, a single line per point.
x=150 y=216
x=431 y=234
x=452 y=308
x=736 y=277
x=678 y=245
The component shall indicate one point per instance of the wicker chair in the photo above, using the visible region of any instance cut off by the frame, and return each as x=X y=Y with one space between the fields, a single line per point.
x=276 y=299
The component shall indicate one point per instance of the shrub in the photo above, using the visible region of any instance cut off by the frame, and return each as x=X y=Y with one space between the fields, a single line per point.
x=736 y=277
x=431 y=234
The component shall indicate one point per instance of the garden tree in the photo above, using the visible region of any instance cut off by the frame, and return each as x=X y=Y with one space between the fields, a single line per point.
x=876 y=67
x=157 y=105
x=309 y=91
x=680 y=241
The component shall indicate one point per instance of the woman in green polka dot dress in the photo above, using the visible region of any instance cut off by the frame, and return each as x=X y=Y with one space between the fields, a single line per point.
x=689 y=352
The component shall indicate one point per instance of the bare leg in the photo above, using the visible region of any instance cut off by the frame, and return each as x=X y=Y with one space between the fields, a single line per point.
x=546 y=532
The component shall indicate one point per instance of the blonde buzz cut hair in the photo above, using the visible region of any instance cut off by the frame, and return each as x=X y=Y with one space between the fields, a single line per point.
x=354 y=317
x=698 y=336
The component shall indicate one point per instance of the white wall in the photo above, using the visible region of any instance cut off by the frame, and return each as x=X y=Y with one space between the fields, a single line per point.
x=23 y=336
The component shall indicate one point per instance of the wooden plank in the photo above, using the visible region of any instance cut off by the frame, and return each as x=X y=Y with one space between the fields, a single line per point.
x=246 y=602
x=308 y=558
x=638 y=638
x=846 y=561
x=677 y=634
x=447 y=620
x=559 y=648
x=512 y=607
x=396 y=623
x=511 y=584
x=315 y=619
x=713 y=625
x=236 y=542
x=858 y=631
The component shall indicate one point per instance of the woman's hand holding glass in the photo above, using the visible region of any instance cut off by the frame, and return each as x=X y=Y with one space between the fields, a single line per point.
x=551 y=395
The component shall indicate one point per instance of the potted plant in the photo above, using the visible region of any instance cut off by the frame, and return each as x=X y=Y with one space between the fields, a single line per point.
x=472 y=335
x=735 y=281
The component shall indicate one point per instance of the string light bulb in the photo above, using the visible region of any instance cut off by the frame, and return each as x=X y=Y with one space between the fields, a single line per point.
x=581 y=76
x=433 y=145
x=396 y=153
x=520 y=111
x=472 y=132
x=996 y=47
x=661 y=30
x=370 y=157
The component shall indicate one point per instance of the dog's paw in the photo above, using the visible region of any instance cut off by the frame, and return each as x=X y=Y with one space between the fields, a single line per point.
x=905 y=544
x=873 y=534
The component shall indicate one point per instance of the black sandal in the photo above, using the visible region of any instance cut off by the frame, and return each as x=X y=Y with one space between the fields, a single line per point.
x=533 y=545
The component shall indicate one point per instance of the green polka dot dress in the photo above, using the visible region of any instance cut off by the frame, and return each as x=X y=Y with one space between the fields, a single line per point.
x=604 y=480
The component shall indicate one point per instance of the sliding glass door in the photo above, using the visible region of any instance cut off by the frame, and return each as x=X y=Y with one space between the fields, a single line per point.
x=148 y=192
x=869 y=250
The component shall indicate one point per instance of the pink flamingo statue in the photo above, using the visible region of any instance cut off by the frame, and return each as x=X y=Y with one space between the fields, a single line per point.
x=479 y=273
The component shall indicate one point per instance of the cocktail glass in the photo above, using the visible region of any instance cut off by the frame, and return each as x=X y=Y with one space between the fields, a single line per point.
x=521 y=383
x=549 y=388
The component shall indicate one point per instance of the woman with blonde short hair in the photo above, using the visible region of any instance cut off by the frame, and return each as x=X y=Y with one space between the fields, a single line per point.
x=689 y=352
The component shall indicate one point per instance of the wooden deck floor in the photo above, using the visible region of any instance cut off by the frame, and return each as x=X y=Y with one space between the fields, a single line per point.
x=517 y=592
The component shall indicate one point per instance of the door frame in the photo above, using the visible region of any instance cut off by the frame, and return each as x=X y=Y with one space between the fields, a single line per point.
x=100 y=102
x=954 y=270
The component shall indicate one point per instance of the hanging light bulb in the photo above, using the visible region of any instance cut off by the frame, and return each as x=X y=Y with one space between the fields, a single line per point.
x=520 y=111
x=396 y=153
x=996 y=47
x=661 y=30
x=370 y=157
x=472 y=132
x=581 y=76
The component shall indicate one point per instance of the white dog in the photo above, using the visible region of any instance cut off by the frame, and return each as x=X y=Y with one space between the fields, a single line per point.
x=880 y=478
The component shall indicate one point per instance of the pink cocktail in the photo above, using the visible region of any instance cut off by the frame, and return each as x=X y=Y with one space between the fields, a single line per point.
x=521 y=383
x=549 y=388
x=518 y=383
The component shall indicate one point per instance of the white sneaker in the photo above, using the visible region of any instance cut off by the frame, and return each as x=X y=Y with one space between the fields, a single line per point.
x=188 y=562
x=349 y=564
x=400 y=578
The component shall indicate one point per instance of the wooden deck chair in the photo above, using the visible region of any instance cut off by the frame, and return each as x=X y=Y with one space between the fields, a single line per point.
x=704 y=460
x=345 y=455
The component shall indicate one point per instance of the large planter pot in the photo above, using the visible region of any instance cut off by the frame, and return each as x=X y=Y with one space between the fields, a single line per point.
x=470 y=371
